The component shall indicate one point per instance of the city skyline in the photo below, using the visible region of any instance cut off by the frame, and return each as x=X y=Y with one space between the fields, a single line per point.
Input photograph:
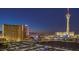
x=41 y=19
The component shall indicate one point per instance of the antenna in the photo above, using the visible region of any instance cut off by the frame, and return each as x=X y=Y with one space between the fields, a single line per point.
x=68 y=10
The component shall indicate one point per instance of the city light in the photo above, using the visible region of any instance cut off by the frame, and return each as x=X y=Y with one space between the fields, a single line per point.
x=43 y=36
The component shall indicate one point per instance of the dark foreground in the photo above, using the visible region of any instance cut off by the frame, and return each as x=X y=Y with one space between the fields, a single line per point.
x=26 y=46
x=74 y=46
x=42 y=46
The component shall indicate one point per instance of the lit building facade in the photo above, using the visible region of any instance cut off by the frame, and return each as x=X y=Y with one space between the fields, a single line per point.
x=62 y=34
x=14 y=32
x=27 y=30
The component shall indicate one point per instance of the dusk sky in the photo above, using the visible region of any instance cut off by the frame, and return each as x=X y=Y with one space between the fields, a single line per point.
x=41 y=19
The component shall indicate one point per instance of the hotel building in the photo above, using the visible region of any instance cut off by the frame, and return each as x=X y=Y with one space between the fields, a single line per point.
x=13 y=33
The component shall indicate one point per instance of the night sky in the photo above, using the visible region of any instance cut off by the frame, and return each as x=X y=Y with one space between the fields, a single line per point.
x=41 y=19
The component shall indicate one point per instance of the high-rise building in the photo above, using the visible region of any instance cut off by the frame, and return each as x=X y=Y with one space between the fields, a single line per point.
x=13 y=32
x=27 y=29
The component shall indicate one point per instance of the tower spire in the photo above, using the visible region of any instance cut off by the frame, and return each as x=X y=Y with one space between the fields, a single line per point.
x=68 y=10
